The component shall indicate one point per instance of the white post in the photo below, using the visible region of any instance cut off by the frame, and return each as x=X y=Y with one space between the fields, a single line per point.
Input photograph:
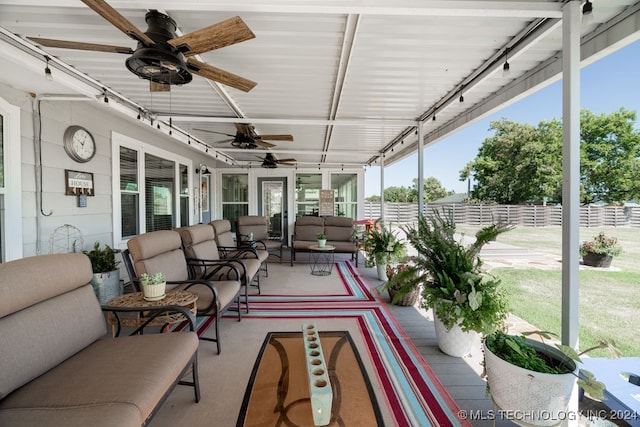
x=420 y=169
x=382 y=188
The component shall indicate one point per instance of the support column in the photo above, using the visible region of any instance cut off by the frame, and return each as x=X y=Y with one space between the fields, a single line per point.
x=570 y=170
x=419 y=128
x=382 y=187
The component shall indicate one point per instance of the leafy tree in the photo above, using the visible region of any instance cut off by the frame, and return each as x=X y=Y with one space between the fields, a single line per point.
x=610 y=156
x=522 y=163
x=519 y=163
x=433 y=190
x=374 y=198
x=397 y=194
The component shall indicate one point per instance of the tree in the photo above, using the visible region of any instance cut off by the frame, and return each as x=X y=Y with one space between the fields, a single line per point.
x=397 y=194
x=519 y=163
x=610 y=156
x=433 y=190
x=523 y=163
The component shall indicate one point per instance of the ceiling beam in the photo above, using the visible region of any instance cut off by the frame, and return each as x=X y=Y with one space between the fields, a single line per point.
x=457 y=8
x=288 y=121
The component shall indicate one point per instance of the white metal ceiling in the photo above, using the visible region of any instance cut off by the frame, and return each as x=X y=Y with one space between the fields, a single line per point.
x=346 y=78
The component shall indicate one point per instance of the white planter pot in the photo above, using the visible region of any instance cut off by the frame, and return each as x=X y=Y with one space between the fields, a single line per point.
x=322 y=243
x=106 y=285
x=541 y=398
x=454 y=341
x=382 y=271
x=154 y=292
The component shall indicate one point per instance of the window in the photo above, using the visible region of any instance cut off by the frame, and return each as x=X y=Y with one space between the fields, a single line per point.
x=129 y=192
x=154 y=189
x=235 y=197
x=345 y=187
x=308 y=194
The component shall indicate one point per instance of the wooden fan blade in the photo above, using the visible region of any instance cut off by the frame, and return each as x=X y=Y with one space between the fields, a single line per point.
x=264 y=143
x=225 y=33
x=286 y=160
x=159 y=87
x=64 y=44
x=276 y=137
x=224 y=141
x=216 y=74
x=103 y=9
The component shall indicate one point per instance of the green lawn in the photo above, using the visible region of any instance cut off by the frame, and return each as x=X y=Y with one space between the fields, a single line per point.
x=609 y=300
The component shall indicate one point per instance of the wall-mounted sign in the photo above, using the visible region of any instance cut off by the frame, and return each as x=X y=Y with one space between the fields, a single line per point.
x=326 y=203
x=78 y=183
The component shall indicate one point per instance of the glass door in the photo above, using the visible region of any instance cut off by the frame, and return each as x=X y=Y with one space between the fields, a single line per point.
x=272 y=203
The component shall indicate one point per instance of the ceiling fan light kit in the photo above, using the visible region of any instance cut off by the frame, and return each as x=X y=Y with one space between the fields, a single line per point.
x=160 y=62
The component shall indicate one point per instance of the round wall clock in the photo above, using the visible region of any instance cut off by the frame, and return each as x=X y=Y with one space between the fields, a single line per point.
x=79 y=144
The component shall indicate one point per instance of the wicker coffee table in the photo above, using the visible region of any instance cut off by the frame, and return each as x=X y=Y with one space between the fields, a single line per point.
x=186 y=299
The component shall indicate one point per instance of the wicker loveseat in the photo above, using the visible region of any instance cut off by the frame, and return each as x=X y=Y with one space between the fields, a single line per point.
x=339 y=231
x=59 y=368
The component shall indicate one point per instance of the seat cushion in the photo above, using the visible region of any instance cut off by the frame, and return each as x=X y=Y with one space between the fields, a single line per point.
x=114 y=381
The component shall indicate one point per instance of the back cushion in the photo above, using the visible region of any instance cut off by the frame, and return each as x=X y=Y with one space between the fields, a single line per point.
x=49 y=313
x=338 y=228
x=307 y=227
x=198 y=241
x=224 y=237
x=258 y=225
x=159 y=252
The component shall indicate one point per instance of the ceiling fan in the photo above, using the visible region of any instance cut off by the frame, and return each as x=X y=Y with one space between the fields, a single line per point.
x=247 y=138
x=161 y=57
x=269 y=161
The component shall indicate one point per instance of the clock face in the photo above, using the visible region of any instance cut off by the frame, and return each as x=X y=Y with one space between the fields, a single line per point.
x=79 y=144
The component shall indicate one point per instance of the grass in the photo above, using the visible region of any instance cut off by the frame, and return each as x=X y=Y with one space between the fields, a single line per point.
x=609 y=300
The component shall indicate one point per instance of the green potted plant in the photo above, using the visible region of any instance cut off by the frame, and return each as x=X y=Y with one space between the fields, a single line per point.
x=383 y=246
x=600 y=251
x=322 y=239
x=153 y=286
x=527 y=376
x=395 y=283
x=465 y=300
x=106 y=277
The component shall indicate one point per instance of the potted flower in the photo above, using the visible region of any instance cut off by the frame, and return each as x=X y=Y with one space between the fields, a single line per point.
x=465 y=301
x=600 y=251
x=322 y=239
x=153 y=286
x=106 y=277
x=525 y=376
x=383 y=246
x=396 y=280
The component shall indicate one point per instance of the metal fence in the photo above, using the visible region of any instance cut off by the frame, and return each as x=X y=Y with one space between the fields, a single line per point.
x=525 y=215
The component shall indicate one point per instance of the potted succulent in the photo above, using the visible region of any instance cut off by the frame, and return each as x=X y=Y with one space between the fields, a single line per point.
x=383 y=246
x=322 y=239
x=531 y=377
x=106 y=277
x=600 y=251
x=153 y=286
x=465 y=300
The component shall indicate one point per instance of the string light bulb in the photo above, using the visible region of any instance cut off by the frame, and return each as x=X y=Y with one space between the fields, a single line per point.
x=104 y=93
x=506 y=68
x=587 y=12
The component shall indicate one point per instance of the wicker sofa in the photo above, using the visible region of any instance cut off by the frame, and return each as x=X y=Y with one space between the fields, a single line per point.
x=339 y=231
x=59 y=368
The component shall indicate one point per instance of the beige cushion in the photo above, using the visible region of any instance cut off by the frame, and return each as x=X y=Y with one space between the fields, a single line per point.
x=258 y=225
x=308 y=227
x=31 y=338
x=224 y=237
x=159 y=251
x=105 y=384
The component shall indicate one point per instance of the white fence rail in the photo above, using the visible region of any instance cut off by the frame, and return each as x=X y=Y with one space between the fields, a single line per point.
x=526 y=215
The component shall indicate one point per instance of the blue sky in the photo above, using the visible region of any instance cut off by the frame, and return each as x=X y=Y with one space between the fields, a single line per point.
x=607 y=85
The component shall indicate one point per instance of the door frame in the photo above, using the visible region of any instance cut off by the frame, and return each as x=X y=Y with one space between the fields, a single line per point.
x=285 y=202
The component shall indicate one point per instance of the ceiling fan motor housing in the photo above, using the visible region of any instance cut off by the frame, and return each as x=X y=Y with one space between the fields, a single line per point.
x=161 y=62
